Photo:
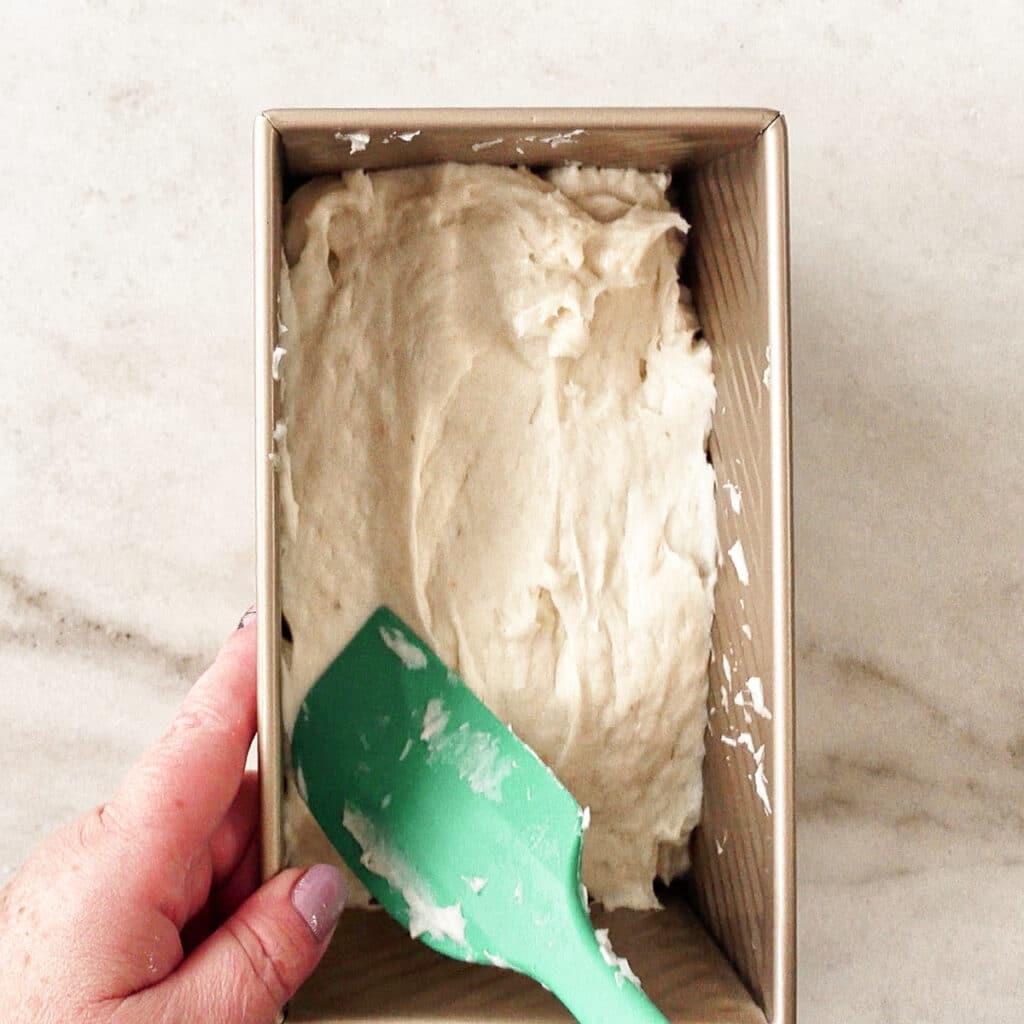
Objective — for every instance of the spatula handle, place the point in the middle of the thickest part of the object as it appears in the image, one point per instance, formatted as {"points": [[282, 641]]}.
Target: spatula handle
{"points": [[596, 992]]}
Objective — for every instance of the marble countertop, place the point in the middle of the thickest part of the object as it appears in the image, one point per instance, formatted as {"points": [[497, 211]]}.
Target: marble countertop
{"points": [[126, 477]]}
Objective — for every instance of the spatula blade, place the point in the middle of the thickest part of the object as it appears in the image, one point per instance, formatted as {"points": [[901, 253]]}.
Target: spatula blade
{"points": [[453, 824]]}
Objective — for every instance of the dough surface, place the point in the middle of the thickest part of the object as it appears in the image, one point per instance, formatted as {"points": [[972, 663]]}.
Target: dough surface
{"points": [[495, 416]]}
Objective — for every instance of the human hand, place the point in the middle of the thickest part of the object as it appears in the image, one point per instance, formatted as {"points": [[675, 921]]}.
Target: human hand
{"points": [[147, 908]]}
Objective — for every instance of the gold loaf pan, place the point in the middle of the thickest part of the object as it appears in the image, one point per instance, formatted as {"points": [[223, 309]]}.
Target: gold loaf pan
{"points": [[723, 950]]}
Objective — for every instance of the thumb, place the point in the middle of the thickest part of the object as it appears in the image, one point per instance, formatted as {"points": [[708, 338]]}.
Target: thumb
{"points": [[254, 963]]}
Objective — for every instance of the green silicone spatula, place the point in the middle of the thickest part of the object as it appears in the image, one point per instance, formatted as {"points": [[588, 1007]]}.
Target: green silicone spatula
{"points": [[453, 824]]}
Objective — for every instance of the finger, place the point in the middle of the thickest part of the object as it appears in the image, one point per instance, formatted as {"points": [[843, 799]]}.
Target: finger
{"points": [[258, 958], [234, 834], [241, 884], [232, 841], [188, 893], [183, 785], [224, 899]]}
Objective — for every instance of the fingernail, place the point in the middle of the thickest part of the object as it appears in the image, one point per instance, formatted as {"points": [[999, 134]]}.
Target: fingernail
{"points": [[249, 616], [319, 896]]}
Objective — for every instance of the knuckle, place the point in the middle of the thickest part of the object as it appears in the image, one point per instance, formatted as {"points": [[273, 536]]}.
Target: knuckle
{"points": [[264, 962], [202, 714], [96, 826], [185, 721]]}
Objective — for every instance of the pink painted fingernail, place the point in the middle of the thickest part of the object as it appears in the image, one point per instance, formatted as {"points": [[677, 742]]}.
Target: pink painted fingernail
{"points": [[319, 897], [249, 616]]}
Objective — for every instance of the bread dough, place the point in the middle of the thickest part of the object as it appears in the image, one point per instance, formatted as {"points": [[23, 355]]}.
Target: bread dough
{"points": [[495, 417]]}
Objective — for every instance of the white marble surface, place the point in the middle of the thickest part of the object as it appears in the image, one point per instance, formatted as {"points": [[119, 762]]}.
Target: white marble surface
{"points": [[125, 475]]}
